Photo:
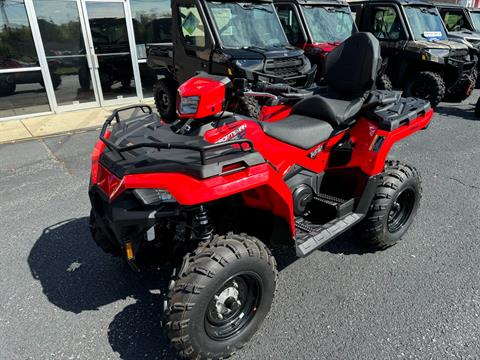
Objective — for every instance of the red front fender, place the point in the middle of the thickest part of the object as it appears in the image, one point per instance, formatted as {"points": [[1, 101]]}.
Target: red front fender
{"points": [[261, 187]]}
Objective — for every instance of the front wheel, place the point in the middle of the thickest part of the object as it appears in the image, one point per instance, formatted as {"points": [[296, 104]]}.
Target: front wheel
{"points": [[393, 207], [220, 296], [427, 85], [248, 106]]}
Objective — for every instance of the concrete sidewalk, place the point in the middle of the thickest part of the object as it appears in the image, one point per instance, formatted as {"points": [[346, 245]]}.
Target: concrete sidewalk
{"points": [[48, 125]]}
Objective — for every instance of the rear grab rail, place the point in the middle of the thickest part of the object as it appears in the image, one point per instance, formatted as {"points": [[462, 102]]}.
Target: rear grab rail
{"points": [[202, 150]]}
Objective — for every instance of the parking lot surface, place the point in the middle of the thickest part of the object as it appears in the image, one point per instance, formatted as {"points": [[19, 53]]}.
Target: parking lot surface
{"points": [[63, 298]]}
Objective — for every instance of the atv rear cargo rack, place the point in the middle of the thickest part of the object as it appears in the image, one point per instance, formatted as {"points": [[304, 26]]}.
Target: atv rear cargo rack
{"points": [[164, 145], [147, 132]]}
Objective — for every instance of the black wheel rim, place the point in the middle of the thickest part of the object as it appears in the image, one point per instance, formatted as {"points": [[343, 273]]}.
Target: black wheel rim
{"points": [[163, 101], [401, 210], [233, 306]]}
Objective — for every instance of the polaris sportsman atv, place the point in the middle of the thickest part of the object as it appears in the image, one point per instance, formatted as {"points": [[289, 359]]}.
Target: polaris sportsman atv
{"points": [[421, 60], [216, 191], [233, 39]]}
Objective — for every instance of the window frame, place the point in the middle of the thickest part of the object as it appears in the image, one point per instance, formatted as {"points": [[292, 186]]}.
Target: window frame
{"points": [[304, 32], [202, 18], [405, 28]]}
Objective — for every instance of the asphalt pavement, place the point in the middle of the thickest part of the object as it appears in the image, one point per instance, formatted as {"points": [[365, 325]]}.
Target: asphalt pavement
{"points": [[62, 298]]}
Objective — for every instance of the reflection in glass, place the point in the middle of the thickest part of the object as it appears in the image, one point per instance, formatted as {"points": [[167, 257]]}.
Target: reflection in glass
{"points": [[116, 76], [149, 77], [152, 21], [110, 41], [22, 93], [62, 37], [17, 49]]}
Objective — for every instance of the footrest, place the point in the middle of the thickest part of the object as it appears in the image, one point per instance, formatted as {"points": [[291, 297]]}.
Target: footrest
{"points": [[342, 207], [311, 236]]}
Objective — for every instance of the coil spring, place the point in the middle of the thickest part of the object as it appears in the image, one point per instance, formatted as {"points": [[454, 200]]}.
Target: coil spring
{"points": [[203, 226]]}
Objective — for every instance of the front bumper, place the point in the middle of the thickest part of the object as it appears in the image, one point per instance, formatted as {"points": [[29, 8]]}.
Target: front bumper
{"points": [[462, 81], [125, 219]]}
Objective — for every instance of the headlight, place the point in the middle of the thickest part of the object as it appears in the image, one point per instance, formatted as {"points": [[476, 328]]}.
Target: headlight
{"points": [[153, 196], [437, 53], [189, 105]]}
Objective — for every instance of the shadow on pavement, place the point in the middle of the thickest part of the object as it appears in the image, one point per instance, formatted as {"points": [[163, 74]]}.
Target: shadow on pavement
{"points": [[348, 244], [458, 112], [77, 276]]}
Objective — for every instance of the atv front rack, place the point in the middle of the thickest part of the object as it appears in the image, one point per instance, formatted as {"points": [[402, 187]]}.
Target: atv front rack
{"points": [[202, 150]]}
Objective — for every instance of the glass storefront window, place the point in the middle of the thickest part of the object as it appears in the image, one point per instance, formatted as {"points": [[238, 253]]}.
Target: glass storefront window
{"points": [[149, 77], [17, 49], [112, 49], [152, 21], [22, 88], [22, 93], [59, 24]]}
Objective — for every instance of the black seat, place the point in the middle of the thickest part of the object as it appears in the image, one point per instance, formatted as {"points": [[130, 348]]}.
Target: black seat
{"points": [[351, 70], [300, 131], [348, 77], [335, 111]]}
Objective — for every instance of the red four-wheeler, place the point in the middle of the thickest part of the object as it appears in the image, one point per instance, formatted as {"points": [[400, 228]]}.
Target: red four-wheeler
{"points": [[318, 27], [216, 191]]}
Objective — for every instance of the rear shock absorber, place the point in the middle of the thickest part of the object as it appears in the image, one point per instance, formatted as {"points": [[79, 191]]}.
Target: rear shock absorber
{"points": [[203, 229]]}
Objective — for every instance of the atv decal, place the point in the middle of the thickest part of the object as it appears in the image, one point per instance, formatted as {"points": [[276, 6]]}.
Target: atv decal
{"points": [[236, 134], [316, 151]]}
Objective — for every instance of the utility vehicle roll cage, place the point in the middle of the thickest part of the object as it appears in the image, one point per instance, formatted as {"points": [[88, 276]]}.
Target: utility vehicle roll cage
{"points": [[202, 150], [357, 7]]}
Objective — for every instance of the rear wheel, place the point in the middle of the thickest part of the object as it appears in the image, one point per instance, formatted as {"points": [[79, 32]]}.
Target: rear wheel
{"points": [[427, 85], [393, 207], [220, 296], [165, 93]]}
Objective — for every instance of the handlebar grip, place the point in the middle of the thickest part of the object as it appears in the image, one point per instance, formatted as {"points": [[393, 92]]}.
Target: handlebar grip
{"points": [[274, 88]]}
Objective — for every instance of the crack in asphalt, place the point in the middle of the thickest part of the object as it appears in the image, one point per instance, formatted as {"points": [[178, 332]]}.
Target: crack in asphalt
{"points": [[462, 183], [55, 158], [458, 181]]}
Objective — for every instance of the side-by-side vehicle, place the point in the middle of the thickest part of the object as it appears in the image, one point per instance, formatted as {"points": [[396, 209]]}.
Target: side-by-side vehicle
{"points": [[421, 60], [317, 27], [233, 39]]}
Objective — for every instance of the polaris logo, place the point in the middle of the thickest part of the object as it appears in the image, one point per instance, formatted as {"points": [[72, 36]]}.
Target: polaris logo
{"points": [[238, 133]]}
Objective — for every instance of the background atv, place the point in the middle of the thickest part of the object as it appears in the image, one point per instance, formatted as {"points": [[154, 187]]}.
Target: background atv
{"points": [[216, 191], [421, 60], [318, 27], [226, 38], [460, 28]]}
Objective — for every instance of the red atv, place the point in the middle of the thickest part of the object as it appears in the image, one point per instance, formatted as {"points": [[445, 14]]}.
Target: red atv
{"points": [[216, 191]]}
